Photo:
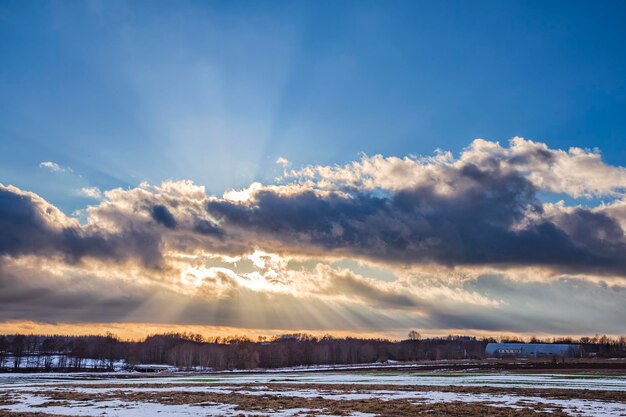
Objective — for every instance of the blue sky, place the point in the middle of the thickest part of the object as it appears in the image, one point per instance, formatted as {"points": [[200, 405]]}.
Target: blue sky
{"points": [[124, 92]]}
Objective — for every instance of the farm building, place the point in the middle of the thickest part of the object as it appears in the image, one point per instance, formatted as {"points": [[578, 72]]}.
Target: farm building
{"points": [[531, 350]]}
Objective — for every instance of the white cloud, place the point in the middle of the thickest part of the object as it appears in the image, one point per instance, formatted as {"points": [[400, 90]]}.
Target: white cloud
{"points": [[243, 194], [282, 161], [576, 172], [52, 166], [91, 192]]}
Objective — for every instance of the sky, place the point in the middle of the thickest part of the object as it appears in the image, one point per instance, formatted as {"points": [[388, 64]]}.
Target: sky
{"points": [[348, 167]]}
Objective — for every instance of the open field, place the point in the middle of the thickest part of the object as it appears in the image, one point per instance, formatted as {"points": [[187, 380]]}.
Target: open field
{"points": [[340, 393]]}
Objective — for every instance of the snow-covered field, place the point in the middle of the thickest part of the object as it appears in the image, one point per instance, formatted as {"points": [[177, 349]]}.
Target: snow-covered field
{"points": [[299, 393]]}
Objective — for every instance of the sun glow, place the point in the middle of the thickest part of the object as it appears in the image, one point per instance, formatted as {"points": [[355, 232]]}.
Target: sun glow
{"points": [[224, 281], [242, 195]]}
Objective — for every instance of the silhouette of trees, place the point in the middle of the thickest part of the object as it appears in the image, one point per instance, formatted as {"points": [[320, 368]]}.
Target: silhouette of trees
{"points": [[17, 348], [4, 346], [194, 352]]}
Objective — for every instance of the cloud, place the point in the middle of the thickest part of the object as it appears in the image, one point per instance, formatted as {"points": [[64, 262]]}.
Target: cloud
{"points": [[482, 208], [576, 172], [282, 161], [471, 215], [320, 298], [54, 167], [91, 192], [52, 292], [30, 225], [263, 255], [567, 305], [371, 292], [162, 215]]}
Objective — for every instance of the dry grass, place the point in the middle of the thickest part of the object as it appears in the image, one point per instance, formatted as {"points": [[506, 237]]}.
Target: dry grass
{"points": [[276, 397], [6, 399], [270, 403], [598, 395]]}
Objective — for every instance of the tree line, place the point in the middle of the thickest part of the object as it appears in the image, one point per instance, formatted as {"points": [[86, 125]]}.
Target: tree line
{"points": [[193, 351]]}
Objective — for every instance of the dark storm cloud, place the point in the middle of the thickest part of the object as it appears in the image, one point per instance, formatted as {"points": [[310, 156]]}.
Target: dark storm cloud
{"points": [[205, 227], [597, 231], [35, 295], [367, 291], [24, 230], [484, 221], [162, 215], [20, 224], [562, 306]]}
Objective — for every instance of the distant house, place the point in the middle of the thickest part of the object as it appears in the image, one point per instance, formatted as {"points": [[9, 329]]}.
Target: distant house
{"points": [[531, 350]]}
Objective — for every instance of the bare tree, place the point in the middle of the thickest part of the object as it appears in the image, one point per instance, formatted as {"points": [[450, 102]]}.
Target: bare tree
{"points": [[414, 335], [18, 345]]}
